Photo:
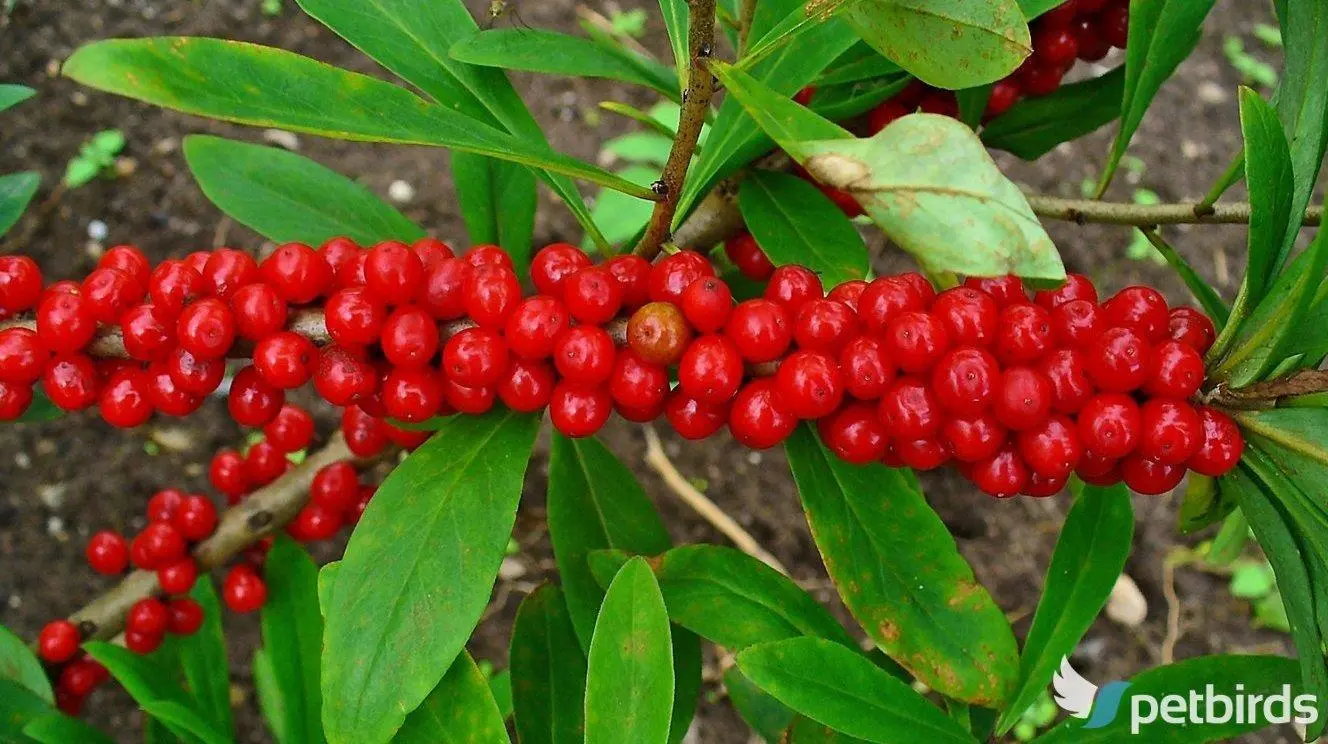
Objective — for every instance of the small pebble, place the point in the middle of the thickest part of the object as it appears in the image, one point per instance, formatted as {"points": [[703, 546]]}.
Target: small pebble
{"points": [[51, 496], [400, 192], [1127, 605], [22, 461], [97, 230], [281, 138], [511, 569], [55, 527]]}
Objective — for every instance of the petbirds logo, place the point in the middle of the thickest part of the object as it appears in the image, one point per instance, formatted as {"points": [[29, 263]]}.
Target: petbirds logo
{"points": [[1076, 696]]}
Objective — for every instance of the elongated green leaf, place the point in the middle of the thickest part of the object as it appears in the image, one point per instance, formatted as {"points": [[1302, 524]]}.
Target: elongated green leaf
{"points": [[287, 197], [16, 190], [594, 503], [840, 688], [925, 37], [1035, 126], [901, 575], [19, 706], [19, 665], [1302, 103], [1034, 8], [619, 216], [1255, 675], [860, 62], [61, 729], [629, 684], [262, 86], [841, 102], [548, 671], [806, 731], [1268, 175], [412, 39], [795, 223], [271, 699], [1088, 560], [931, 186], [12, 95], [730, 598], [1208, 297], [778, 115], [418, 572], [1162, 35], [678, 24], [327, 576], [550, 52], [498, 204], [460, 710], [157, 693], [1302, 430], [292, 638], [767, 716], [500, 685], [203, 657]]}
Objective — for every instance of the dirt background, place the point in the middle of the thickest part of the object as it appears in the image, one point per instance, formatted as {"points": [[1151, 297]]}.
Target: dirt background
{"points": [[61, 481]]}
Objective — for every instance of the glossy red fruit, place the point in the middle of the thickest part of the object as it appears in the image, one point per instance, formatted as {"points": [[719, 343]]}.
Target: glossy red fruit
{"points": [[1221, 447], [164, 503], [1192, 328], [965, 381], [1077, 323], [393, 272], [351, 272], [579, 410], [469, 400], [491, 295], [673, 274], [297, 272], [58, 641], [592, 295], [337, 252], [227, 270], [855, 433], [157, 545], [343, 377], [252, 401], [1149, 477], [694, 419], [970, 316], [142, 643], [633, 276], [1039, 78], [1003, 475], [335, 486], [148, 333], [475, 357], [227, 475], [751, 261], [867, 368], [1070, 386], [941, 102], [14, 400], [1110, 425], [1024, 334], [639, 385], [659, 333], [291, 430], [356, 511], [206, 328], [1051, 449], [1005, 290], [973, 439], [186, 616], [553, 263], [825, 325], [109, 292], [535, 325], [584, 355], [923, 454], [1113, 24], [178, 577], [195, 375], [242, 590], [22, 357], [1171, 431], [131, 261], [65, 322], [108, 553], [126, 400], [285, 360], [528, 386], [706, 304], [1176, 371], [910, 410], [1076, 287], [71, 382], [759, 417], [264, 463], [196, 518], [1055, 46], [366, 435], [20, 283], [81, 676], [1023, 399], [761, 330], [488, 255], [794, 286], [412, 394], [355, 317], [885, 299], [1040, 486], [1004, 95], [711, 370], [431, 251], [259, 311], [410, 337], [1097, 470], [443, 293], [810, 384], [1142, 309], [166, 396], [174, 285], [314, 523], [886, 114], [916, 341], [1119, 361]]}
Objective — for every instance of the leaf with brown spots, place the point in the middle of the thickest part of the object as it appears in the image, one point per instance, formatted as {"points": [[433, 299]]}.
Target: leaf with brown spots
{"points": [[901, 575]]}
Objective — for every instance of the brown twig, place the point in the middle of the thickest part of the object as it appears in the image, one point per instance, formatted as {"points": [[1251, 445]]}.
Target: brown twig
{"points": [[1267, 394], [746, 12], [1145, 215], [695, 107]]}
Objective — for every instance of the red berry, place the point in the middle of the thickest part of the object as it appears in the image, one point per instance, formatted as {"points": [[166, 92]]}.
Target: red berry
{"points": [[693, 419], [142, 643], [410, 337], [825, 325], [488, 255], [916, 341], [1070, 386], [342, 377], [148, 332], [393, 272], [227, 474], [848, 293], [228, 270], [674, 274], [166, 396], [14, 400], [910, 410], [552, 264], [173, 285], [491, 294], [178, 577], [1141, 309], [264, 463], [711, 370], [1024, 334], [356, 511], [1171, 431], [477, 357], [1221, 446], [1192, 328], [443, 294], [1040, 78], [1077, 323], [1076, 287], [252, 401], [965, 381], [243, 590], [969, 315], [922, 454], [884, 115], [431, 251], [1177, 371], [314, 523], [1002, 475], [633, 276], [193, 374], [285, 360], [164, 503], [259, 311], [366, 436], [659, 333], [973, 439], [886, 298], [291, 429], [1092, 46], [707, 304], [412, 394], [130, 261], [58, 641], [759, 417], [528, 386], [593, 295], [1004, 95], [108, 553], [186, 616], [20, 284], [108, 293], [941, 102], [794, 286], [1119, 361], [206, 328], [81, 676], [198, 261], [157, 545], [469, 400], [22, 357], [1023, 399], [579, 410], [1114, 25], [195, 518], [748, 257], [855, 433], [535, 325], [1109, 425], [760, 329], [351, 272], [1051, 449], [335, 486], [1149, 477], [297, 272], [867, 368], [355, 317], [65, 322], [809, 384], [1055, 46], [841, 199], [583, 355], [1096, 470], [1005, 290], [71, 382]]}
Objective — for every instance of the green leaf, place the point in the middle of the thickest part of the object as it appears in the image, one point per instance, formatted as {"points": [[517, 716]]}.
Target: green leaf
{"points": [[677, 22], [926, 37], [203, 657], [807, 731], [840, 688], [1035, 126], [1302, 430], [1269, 179], [972, 104], [16, 190], [776, 114], [460, 710], [418, 572], [500, 685], [730, 598], [287, 197], [19, 706], [618, 215], [1034, 8], [841, 102], [553, 53], [292, 639], [12, 95], [412, 39], [1162, 35], [160, 696], [548, 671], [595, 502], [1252, 580], [81, 171], [629, 683], [57, 728], [498, 202], [640, 147], [859, 63], [795, 223], [1088, 560], [1302, 103], [256, 85], [1259, 675], [20, 665], [327, 577], [902, 577], [1202, 291], [931, 186], [767, 716], [271, 700]]}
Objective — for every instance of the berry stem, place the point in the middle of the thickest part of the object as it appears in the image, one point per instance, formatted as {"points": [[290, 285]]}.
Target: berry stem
{"points": [[695, 107], [1147, 215], [1267, 394]]}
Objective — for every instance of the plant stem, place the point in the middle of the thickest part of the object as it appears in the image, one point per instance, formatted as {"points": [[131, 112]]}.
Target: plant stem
{"points": [[1234, 172], [1147, 215], [1268, 394], [746, 12], [695, 107]]}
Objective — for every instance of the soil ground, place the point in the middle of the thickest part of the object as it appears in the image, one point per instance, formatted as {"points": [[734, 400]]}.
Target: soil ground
{"points": [[61, 481]]}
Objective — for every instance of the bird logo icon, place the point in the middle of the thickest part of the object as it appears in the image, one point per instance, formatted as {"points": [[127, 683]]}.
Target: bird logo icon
{"points": [[1083, 699]]}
